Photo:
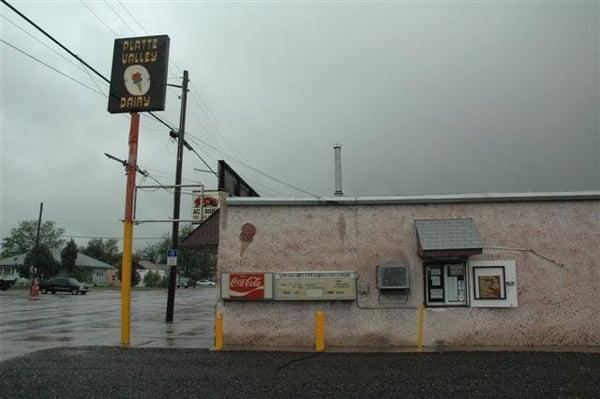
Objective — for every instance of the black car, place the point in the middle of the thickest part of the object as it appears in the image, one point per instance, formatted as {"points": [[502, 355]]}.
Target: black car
{"points": [[65, 284]]}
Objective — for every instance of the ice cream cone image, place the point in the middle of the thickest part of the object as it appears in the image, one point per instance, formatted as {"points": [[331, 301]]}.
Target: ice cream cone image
{"points": [[137, 80], [244, 247], [246, 237]]}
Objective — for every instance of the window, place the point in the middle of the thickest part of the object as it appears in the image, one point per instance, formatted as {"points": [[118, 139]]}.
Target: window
{"points": [[446, 284]]}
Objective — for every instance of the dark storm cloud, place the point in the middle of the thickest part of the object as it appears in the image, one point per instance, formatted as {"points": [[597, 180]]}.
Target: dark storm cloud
{"points": [[425, 98]]}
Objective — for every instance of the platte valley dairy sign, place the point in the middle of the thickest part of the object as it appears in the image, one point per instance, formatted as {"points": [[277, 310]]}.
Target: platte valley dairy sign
{"points": [[138, 81]]}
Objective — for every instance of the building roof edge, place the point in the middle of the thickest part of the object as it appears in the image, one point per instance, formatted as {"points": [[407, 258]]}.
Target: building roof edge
{"points": [[417, 199]]}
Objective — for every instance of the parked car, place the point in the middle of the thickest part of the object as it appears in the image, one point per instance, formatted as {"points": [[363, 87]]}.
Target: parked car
{"points": [[206, 283], [6, 284], [182, 282], [64, 284]]}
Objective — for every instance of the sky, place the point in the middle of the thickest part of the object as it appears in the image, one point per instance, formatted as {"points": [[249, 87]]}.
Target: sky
{"points": [[425, 97]]}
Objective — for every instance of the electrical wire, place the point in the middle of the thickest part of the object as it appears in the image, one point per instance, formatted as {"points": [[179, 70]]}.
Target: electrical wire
{"points": [[70, 61], [99, 18], [132, 17], [51, 67], [163, 122], [119, 16], [110, 238], [49, 36], [252, 167]]}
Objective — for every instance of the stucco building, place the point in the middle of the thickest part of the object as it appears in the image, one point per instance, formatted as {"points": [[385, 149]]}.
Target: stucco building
{"points": [[476, 270]]}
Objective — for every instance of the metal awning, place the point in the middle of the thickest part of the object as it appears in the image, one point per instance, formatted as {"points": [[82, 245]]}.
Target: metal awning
{"points": [[447, 238]]}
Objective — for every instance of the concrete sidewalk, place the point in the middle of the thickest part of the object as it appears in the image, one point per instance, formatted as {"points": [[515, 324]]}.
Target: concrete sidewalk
{"points": [[153, 372]]}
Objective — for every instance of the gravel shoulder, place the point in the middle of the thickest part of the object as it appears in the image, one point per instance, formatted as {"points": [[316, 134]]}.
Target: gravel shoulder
{"points": [[161, 372]]}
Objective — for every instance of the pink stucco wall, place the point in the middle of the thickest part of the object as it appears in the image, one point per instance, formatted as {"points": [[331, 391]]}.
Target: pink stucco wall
{"points": [[557, 305]]}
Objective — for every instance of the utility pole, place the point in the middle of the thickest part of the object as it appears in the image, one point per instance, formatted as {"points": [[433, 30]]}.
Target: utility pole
{"points": [[37, 237], [177, 197], [33, 270]]}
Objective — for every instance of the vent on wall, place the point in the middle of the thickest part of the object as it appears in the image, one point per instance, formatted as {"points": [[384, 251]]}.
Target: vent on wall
{"points": [[392, 277]]}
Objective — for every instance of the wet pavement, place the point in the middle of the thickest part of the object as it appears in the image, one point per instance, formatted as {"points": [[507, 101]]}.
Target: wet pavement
{"points": [[65, 320]]}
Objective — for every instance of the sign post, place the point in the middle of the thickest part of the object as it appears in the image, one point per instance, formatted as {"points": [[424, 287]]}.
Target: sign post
{"points": [[172, 257], [138, 84]]}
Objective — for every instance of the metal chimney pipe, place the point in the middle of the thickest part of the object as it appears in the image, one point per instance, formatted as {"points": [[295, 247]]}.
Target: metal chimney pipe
{"points": [[337, 151]]}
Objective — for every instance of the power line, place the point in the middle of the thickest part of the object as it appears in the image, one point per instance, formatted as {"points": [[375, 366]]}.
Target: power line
{"points": [[133, 17], [73, 54], [110, 238], [51, 67], [70, 61], [252, 167], [118, 16], [54, 40], [99, 18], [150, 113]]}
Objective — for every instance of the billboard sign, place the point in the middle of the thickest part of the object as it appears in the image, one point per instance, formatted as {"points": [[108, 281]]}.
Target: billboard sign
{"points": [[314, 286], [246, 286], [232, 183], [138, 81]]}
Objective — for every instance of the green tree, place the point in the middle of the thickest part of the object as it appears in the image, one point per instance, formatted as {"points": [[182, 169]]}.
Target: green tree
{"points": [[135, 276], [43, 260], [22, 238], [196, 264], [68, 256], [152, 279], [105, 250]]}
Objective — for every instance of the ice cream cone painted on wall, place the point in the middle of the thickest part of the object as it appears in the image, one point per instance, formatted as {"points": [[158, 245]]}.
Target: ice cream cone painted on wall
{"points": [[137, 80], [246, 237]]}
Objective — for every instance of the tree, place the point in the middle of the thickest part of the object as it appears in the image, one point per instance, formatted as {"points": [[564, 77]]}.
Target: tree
{"points": [[43, 260], [152, 279], [68, 256], [135, 276], [196, 264], [105, 250], [22, 238]]}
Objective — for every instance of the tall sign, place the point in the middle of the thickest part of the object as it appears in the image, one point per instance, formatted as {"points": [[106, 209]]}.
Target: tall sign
{"points": [[138, 81]]}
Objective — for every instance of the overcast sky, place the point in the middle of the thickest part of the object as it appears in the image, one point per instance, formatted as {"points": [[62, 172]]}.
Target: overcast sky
{"points": [[430, 97]]}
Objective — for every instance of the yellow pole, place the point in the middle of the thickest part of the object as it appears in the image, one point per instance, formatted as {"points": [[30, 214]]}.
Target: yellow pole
{"points": [[219, 331], [134, 130], [320, 331], [420, 328], [126, 283]]}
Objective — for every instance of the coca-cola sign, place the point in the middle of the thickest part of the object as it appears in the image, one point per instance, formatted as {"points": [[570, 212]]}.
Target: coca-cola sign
{"points": [[247, 285]]}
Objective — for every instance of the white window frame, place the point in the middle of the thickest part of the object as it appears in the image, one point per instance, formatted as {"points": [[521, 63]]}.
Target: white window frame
{"points": [[505, 270]]}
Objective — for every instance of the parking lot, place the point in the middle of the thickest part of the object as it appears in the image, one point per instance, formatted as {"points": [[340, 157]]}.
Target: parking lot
{"points": [[94, 319]]}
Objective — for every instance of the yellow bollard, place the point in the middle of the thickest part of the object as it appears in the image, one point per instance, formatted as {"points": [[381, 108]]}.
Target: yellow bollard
{"points": [[219, 332], [320, 331], [420, 328]]}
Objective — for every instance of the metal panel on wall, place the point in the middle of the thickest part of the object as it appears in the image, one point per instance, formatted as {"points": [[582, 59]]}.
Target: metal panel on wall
{"points": [[314, 286]]}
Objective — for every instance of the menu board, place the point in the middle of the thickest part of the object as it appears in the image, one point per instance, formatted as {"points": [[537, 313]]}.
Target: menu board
{"points": [[314, 286]]}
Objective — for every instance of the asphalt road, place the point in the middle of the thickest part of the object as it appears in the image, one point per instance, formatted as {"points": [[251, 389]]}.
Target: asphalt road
{"points": [[94, 319], [101, 372]]}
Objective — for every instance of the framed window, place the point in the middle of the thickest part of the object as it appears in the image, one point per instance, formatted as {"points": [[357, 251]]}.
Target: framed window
{"points": [[493, 283], [446, 284]]}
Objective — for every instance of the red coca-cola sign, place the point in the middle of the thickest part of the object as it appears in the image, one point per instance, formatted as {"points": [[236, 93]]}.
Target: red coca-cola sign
{"points": [[247, 285]]}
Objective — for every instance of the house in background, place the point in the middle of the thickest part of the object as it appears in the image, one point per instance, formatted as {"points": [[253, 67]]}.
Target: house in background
{"points": [[101, 274]]}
